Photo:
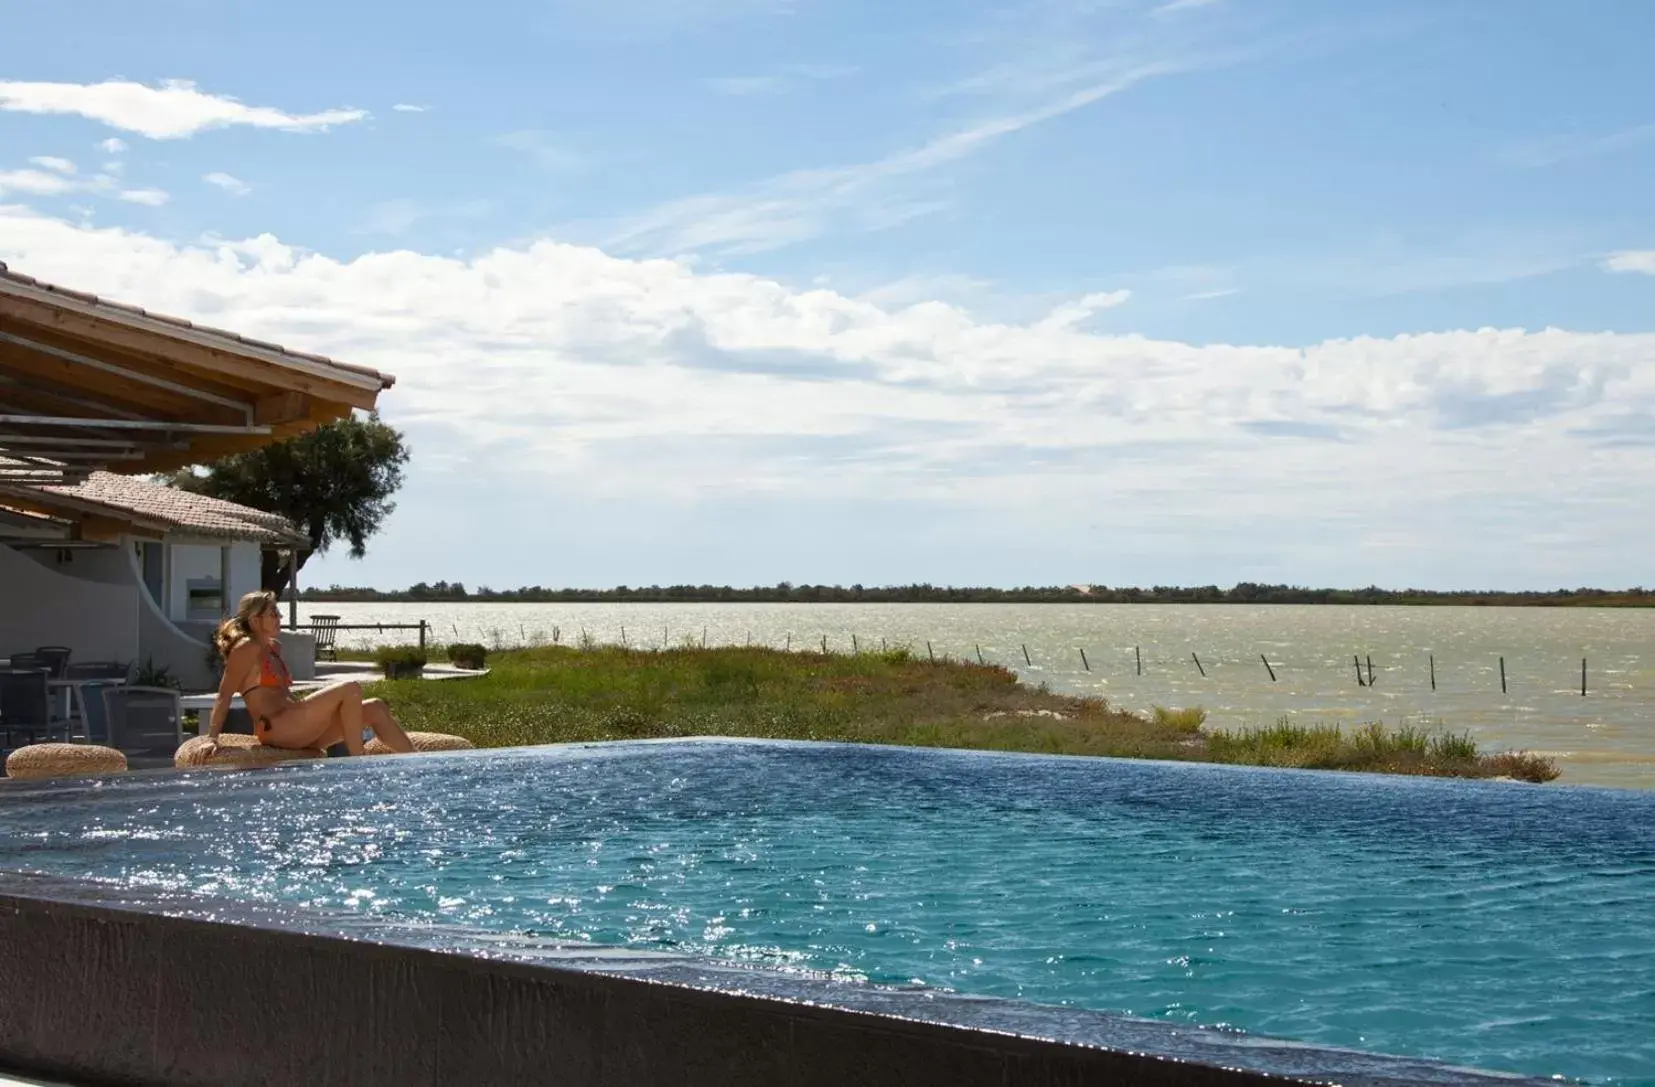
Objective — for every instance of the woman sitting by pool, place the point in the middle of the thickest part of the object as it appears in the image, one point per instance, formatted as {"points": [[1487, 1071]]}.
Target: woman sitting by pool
{"points": [[253, 668]]}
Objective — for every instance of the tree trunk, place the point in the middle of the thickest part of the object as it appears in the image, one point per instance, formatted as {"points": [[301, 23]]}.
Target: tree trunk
{"points": [[277, 570]]}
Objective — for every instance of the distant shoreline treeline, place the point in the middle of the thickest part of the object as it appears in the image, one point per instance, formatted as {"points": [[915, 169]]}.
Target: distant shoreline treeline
{"points": [[787, 593]]}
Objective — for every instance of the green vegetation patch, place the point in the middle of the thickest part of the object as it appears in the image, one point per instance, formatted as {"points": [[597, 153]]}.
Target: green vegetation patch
{"points": [[557, 694]]}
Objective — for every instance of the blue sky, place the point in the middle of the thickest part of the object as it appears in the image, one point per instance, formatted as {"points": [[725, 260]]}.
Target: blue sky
{"points": [[1052, 291]]}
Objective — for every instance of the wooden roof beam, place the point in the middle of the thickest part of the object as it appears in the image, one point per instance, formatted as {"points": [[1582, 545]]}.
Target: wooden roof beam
{"points": [[259, 368], [41, 364]]}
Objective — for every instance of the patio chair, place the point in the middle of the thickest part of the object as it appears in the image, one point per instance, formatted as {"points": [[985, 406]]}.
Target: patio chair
{"points": [[26, 707], [55, 658], [144, 721], [326, 629]]}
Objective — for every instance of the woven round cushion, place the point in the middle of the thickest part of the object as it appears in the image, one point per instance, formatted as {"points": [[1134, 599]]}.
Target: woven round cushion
{"points": [[238, 750], [63, 761], [422, 741]]}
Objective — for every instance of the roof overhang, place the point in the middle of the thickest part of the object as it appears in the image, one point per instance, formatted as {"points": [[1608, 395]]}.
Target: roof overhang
{"points": [[89, 384]]}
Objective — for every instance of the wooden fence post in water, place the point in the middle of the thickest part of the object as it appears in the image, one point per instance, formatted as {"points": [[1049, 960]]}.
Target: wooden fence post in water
{"points": [[1198, 667], [1267, 667], [703, 637], [1502, 675], [824, 645], [928, 652], [1138, 653], [1370, 671], [1086, 664], [1583, 677], [855, 646], [979, 654], [790, 641], [1358, 662], [1026, 659], [1433, 671], [623, 637]]}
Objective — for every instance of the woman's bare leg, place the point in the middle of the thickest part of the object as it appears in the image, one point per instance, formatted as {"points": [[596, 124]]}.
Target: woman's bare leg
{"points": [[331, 715], [386, 727]]}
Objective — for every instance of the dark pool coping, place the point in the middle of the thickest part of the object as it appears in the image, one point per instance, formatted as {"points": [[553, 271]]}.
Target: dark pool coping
{"points": [[180, 989]]}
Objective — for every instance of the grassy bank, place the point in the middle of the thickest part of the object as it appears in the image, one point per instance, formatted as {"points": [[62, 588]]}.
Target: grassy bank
{"points": [[558, 695]]}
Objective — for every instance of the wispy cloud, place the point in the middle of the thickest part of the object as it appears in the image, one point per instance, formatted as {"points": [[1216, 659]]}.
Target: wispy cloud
{"points": [[34, 182], [802, 204], [404, 107], [393, 217], [742, 85], [150, 198], [785, 78], [230, 184], [60, 179], [52, 162], [112, 146], [1204, 296], [1173, 7], [546, 150], [397, 217], [1641, 261], [173, 110], [1073, 314], [1551, 150]]}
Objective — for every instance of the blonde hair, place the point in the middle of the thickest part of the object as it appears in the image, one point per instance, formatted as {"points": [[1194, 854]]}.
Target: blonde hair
{"points": [[238, 627]]}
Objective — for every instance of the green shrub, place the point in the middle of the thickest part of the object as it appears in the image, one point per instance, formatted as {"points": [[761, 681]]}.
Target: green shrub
{"points": [[1186, 720], [151, 674], [467, 654], [400, 661]]}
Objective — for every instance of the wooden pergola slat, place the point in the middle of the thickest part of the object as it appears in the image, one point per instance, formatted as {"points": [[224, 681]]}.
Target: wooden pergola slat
{"points": [[88, 383]]}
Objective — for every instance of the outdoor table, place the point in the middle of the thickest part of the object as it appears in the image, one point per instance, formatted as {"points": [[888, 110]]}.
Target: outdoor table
{"points": [[74, 693]]}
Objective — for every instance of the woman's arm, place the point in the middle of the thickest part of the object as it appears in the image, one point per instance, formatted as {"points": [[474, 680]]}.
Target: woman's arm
{"points": [[236, 665]]}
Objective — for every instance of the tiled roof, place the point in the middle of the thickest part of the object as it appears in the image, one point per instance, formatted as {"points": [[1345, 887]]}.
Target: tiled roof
{"points": [[196, 514]]}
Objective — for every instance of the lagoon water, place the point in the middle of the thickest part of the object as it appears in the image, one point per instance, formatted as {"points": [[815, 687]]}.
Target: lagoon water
{"points": [[1492, 925], [1604, 738]]}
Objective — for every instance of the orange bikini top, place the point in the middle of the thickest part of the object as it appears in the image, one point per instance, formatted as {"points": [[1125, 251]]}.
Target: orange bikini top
{"points": [[272, 675]]}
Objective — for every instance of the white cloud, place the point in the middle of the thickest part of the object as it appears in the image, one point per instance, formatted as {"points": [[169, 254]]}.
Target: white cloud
{"points": [[34, 182], [404, 107], [152, 198], [112, 146], [229, 183], [173, 110], [60, 180], [1631, 260], [612, 377]]}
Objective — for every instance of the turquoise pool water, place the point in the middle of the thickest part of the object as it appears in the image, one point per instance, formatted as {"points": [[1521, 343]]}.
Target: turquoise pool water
{"points": [[1493, 925]]}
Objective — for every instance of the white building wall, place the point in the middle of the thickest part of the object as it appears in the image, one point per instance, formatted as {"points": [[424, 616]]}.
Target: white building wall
{"points": [[245, 572], [41, 605], [201, 563]]}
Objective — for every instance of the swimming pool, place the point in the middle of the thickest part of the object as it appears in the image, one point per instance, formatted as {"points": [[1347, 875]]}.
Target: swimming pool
{"points": [[1486, 924]]}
